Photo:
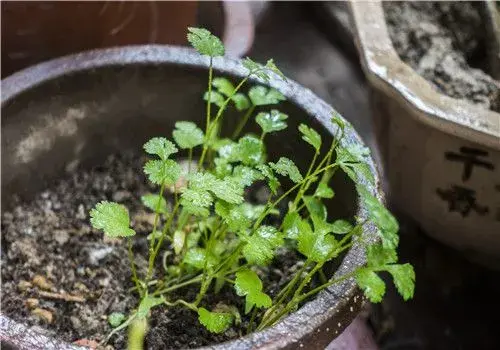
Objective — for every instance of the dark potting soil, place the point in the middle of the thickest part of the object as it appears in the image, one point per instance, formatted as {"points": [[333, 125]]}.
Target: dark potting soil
{"points": [[440, 40], [51, 253]]}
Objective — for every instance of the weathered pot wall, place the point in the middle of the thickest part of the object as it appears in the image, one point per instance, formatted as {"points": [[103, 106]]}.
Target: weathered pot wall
{"points": [[441, 155]]}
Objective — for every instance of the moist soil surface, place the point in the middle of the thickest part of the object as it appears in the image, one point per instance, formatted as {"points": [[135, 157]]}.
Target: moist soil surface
{"points": [[63, 277], [445, 42]]}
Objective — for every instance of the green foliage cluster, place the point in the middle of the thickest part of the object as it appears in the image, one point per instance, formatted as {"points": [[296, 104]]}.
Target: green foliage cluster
{"points": [[215, 237]]}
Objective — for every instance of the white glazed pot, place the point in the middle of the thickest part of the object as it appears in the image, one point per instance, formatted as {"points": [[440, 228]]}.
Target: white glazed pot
{"points": [[441, 156]]}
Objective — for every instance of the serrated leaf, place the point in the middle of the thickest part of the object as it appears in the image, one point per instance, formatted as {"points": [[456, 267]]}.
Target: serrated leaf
{"points": [[258, 251], [215, 98], [315, 246], [269, 174], [161, 147], [271, 235], [178, 241], [246, 175], [196, 197], [271, 121], [112, 218], [223, 86], [116, 318], [247, 282], [378, 255], [404, 279], [381, 217], [310, 136], [151, 201], [147, 303], [215, 322], [253, 212], [229, 150], [226, 189], [371, 284], [187, 135], [162, 171], [291, 224], [341, 226], [258, 299], [232, 215], [251, 150], [323, 191], [263, 96], [222, 167], [205, 42], [195, 210], [196, 257], [273, 68], [256, 69], [286, 167], [240, 101], [352, 160]]}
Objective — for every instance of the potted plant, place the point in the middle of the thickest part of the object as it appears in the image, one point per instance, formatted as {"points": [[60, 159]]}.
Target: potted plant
{"points": [[218, 237], [436, 118]]}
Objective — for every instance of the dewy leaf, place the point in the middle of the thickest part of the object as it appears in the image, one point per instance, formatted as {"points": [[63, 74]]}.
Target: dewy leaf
{"points": [[291, 224], [379, 256], [247, 282], [178, 241], [381, 217], [246, 175], [112, 218], [240, 101], [341, 226], [404, 279], [316, 247], [147, 303], [205, 42], [196, 197], [162, 171], [256, 69], [259, 299], [251, 150], [372, 285], [233, 216], [196, 257], [161, 147], [215, 322], [269, 174], [223, 86], [187, 135], [286, 167], [271, 121], [115, 319], [323, 191], [262, 96], [310, 136], [150, 201], [271, 235], [215, 98], [258, 251], [228, 190], [352, 160]]}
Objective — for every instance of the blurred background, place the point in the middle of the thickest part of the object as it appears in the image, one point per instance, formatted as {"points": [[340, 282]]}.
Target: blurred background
{"points": [[456, 303]]}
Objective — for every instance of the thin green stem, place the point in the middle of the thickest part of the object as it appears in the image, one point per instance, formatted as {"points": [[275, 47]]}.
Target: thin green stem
{"points": [[177, 286], [133, 268], [209, 101], [157, 218], [300, 193], [242, 123], [182, 302], [190, 159]]}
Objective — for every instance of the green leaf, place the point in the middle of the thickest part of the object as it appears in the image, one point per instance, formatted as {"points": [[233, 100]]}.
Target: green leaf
{"points": [[371, 284], [271, 235], [258, 251], [112, 218], [269, 174], [256, 69], [162, 171], [234, 216], [381, 217], [215, 98], [341, 226], [323, 191], [196, 257], [251, 150], [222, 167], [258, 299], [178, 241], [226, 189], [271, 121], [215, 322], [246, 175], [151, 201], [337, 119], [195, 209], [291, 224], [378, 255], [262, 96], [286, 167], [161, 147], [229, 150], [240, 101], [205, 42], [310, 136], [187, 135], [315, 207], [223, 86], [270, 65], [116, 318], [316, 247], [404, 279], [352, 160], [196, 197], [247, 282], [147, 303]]}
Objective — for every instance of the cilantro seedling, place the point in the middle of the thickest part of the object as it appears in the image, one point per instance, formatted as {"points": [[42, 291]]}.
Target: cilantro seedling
{"points": [[210, 235]]}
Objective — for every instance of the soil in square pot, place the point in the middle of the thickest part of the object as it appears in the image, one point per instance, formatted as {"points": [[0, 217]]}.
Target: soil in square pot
{"points": [[446, 43], [61, 121]]}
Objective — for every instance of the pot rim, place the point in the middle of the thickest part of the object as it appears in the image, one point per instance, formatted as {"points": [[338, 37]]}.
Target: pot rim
{"points": [[387, 72], [334, 308]]}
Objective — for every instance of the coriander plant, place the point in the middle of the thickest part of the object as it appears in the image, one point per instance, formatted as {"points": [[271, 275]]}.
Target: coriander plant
{"points": [[211, 236]]}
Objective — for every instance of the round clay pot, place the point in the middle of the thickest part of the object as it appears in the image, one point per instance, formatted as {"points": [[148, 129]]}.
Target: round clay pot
{"points": [[441, 155], [79, 109]]}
